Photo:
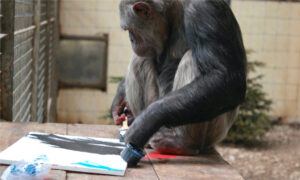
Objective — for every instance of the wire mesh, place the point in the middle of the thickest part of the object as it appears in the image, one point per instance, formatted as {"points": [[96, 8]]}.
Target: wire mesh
{"points": [[23, 14], [23, 59], [0, 61], [43, 10], [32, 59], [42, 76]]}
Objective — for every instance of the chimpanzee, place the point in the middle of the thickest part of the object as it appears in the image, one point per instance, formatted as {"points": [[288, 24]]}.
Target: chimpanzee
{"points": [[187, 76]]}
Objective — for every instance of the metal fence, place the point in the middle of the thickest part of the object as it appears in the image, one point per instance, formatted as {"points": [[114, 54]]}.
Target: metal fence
{"points": [[27, 68]]}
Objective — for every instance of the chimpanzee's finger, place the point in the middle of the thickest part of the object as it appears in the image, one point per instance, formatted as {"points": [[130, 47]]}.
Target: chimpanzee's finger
{"points": [[119, 119], [130, 120]]}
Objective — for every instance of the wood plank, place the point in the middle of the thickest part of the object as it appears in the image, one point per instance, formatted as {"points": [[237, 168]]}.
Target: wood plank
{"points": [[56, 175], [46, 68], [11, 132], [143, 171], [2, 169], [54, 80], [205, 167], [7, 59], [2, 35], [35, 67], [24, 30]]}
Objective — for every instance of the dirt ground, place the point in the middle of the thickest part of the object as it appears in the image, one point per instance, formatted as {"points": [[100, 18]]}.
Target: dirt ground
{"points": [[278, 156]]}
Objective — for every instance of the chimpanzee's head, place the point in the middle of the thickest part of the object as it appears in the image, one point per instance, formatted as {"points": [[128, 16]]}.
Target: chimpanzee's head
{"points": [[146, 22]]}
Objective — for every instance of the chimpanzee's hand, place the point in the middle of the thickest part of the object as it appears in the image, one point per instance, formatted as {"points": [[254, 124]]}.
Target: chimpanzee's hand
{"points": [[119, 113], [135, 135]]}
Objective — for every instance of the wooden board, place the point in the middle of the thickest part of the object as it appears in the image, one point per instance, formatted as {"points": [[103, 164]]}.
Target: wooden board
{"points": [[7, 59], [205, 166], [11, 132]]}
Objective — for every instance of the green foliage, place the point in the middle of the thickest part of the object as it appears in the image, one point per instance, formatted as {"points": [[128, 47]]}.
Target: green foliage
{"points": [[108, 118], [115, 79], [252, 122]]}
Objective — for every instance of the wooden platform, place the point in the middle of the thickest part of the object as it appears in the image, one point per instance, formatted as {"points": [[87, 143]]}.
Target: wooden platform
{"points": [[207, 166]]}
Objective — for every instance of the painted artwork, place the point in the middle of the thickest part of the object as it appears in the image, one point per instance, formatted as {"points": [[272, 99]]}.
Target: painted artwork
{"points": [[73, 153]]}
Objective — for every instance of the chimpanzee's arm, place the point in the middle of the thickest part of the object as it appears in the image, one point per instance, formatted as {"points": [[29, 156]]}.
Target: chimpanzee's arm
{"points": [[118, 103], [201, 100]]}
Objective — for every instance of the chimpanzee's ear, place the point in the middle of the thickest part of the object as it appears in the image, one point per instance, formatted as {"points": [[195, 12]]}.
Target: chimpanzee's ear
{"points": [[142, 9]]}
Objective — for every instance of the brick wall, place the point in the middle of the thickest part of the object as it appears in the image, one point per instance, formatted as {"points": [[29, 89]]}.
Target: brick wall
{"points": [[270, 29]]}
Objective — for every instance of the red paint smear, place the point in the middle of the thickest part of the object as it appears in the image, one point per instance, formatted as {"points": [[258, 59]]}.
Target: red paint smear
{"points": [[162, 156]]}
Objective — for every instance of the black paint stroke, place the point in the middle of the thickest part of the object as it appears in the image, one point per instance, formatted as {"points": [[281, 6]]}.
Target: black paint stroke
{"points": [[88, 145]]}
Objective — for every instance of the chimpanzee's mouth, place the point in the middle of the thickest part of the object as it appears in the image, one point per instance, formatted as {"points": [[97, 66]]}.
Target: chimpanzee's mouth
{"points": [[132, 37]]}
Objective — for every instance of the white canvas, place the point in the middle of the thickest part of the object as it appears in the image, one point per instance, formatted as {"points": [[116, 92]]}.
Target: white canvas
{"points": [[74, 153]]}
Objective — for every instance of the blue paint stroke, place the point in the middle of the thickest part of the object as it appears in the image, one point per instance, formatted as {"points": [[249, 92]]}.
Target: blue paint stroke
{"points": [[95, 165]]}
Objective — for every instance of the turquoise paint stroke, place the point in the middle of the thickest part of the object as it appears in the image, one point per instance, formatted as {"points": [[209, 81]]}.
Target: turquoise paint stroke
{"points": [[95, 165]]}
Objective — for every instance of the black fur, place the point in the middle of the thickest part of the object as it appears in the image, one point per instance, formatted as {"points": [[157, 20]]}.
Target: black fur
{"points": [[210, 30], [120, 95]]}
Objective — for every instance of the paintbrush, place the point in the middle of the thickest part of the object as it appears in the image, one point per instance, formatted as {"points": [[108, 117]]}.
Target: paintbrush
{"points": [[124, 127], [130, 154]]}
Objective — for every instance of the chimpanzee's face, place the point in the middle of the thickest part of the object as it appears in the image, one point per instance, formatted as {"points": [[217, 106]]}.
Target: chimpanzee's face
{"points": [[146, 27]]}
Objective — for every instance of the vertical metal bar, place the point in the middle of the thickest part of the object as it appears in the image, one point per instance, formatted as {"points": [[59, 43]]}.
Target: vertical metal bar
{"points": [[46, 89], [36, 48], [51, 93], [7, 60], [54, 50], [0, 66], [103, 77], [49, 99]]}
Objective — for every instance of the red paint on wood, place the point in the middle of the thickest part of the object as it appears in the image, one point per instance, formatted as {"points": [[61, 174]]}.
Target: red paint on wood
{"points": [[162, 156]]}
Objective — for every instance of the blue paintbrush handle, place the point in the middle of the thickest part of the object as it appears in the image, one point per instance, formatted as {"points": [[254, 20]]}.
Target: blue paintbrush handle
{"points": [[132, 155]]}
